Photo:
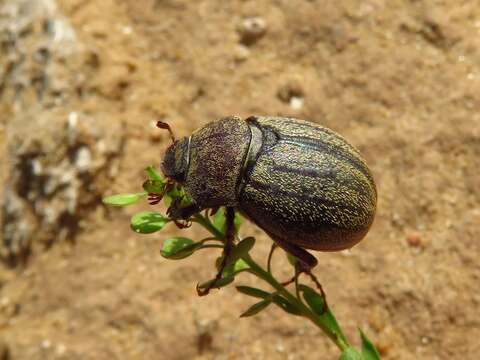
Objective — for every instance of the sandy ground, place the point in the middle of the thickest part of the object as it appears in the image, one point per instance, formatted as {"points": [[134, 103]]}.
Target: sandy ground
{"points": [[81, 84]]}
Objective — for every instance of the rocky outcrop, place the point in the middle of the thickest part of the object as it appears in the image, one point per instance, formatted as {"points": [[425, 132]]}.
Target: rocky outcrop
{"points": [[59, 155]]}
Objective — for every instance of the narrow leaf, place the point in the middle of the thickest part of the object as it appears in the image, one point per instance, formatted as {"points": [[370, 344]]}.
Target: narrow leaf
{"points": [[286, 305], [256, 308], [369, 352], [177, 248], [147, 222], [241, 249], [351, 354], [316, 302], [237, 222], [219, 284], [123, 199], [254, 292], [275, 298], [219, 220], [153, 174]]}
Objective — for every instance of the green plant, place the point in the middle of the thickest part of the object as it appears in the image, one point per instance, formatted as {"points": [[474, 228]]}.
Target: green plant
{"points": [[303, 301]]}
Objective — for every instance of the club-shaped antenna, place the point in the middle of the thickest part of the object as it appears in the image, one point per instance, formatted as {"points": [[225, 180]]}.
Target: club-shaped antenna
{"points": [[163, 125]]}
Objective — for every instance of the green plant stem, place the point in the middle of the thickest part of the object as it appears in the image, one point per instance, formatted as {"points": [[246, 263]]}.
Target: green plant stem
{"points": [[207, 224], [267, 277], [306, 312], [212, 246]]}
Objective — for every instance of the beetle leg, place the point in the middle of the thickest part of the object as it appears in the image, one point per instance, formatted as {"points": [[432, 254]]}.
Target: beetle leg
{"points": [[319, 287], [270, 255], [227, 250], [306, 262], [177, 212]]}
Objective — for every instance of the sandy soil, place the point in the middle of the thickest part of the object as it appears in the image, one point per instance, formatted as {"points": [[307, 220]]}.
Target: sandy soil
{"points": [[81, 84]]}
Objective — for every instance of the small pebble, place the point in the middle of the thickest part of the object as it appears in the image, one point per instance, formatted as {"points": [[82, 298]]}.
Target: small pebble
{"points": [[296, 102], [414, 240], [83, 159], [46, 344], [251, 29], [292, 94], [241, 53], [127, 30]]}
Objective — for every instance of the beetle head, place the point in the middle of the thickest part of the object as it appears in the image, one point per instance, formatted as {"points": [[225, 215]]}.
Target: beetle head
{"points": [[175, 161]]}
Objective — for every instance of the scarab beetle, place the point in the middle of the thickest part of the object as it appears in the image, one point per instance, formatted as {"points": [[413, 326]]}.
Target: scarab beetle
{"points": [[302, 183]]}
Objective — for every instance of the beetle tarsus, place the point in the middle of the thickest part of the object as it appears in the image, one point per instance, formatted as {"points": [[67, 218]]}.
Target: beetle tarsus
{"points": [[155, 198], [270, 256], [181, 215], [182, 224], [227, 250], [320, 288], [301, 268], [176, 211]]}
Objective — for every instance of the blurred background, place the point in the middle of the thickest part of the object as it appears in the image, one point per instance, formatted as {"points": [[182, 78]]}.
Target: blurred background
{"points": [[81, 86]]}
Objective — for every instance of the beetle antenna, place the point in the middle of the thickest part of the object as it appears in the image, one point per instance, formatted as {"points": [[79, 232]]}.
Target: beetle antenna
{"points": [[164, 125]]}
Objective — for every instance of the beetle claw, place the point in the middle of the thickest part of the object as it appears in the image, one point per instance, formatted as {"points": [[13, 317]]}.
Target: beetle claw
{"points": [[202, 292], [182, 224]]}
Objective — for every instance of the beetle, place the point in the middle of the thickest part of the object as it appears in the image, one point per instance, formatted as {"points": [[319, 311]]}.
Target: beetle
{"points": [[302, 183]]}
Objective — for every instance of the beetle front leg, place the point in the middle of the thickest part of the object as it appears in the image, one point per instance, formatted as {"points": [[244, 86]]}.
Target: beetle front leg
{"points": [[176, 212], [227, 250]]}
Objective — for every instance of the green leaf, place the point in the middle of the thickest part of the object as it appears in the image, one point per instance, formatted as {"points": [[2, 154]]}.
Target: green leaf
{"points": [[177, 192], [224, 281], [286, 305], [153, 174], [147, 222], [235, 263], [240, 265], [256, 308], [177, 248], [254, 292], [237, 222], [219, 220], [316, 302], [154, 186], [275, 298], [123, 199], [369, 352], [232, 269], [241, 249], [350, 353], [291, 259]]}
